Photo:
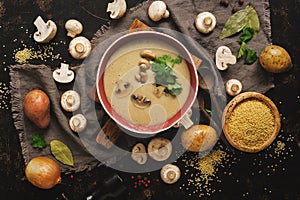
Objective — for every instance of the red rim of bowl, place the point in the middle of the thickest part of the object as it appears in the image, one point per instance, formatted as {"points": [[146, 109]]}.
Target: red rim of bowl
{"points": [[151, 129]]}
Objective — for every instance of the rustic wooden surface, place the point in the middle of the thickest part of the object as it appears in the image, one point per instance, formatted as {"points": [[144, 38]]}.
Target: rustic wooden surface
{"points": [[16, 28]]}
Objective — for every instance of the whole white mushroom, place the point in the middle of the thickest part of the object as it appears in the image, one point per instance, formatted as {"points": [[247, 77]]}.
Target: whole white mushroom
{"points": [[158, 10]]}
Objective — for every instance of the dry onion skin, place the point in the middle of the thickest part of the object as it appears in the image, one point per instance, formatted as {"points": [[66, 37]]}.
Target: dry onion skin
{"points": [[43, 172]]}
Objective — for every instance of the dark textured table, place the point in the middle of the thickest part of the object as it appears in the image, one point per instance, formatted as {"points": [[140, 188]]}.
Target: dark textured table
{"points": [[250, 176]]}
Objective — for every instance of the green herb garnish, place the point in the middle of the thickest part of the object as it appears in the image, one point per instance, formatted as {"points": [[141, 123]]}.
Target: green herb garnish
{"points": [[251, 57], [37, 141], [208, 111], [165, 75]]}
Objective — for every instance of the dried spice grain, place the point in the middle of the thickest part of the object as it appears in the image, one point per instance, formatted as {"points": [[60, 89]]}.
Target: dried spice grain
{"points": [[251, 123], [202, 173]]}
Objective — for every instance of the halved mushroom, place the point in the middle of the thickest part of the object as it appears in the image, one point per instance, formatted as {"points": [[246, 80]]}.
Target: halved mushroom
{"points": [[80, 47], [224, 58], [160, 149], [63, 74], [158, 10], [78, 123], [233, 87], [123, 88], [205, 22], [140, 101], [117, 9], [170, 173], [70, 101], [139, 154], [147, 54], [74, 27], [45, 31]]}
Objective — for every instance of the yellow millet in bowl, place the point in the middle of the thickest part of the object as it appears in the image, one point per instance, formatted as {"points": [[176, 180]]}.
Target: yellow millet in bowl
{"points": [[251, 122]]}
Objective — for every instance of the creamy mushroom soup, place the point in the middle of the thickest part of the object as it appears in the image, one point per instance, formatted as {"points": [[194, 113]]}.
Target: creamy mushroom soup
{"points": [[131, 86]]}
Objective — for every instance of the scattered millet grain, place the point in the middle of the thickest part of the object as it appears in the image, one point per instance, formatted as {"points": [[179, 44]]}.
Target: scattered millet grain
{"points": [[43, 53], [202, 171], [23, 56], [4, 96]]}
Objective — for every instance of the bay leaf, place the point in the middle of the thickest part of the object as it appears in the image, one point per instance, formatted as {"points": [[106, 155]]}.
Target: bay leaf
{"points": [[246, 17], [61, 152]]}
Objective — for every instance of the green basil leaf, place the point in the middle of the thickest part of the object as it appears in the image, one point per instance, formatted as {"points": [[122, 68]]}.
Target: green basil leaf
{"points": [[242, 50], [61, 152], [238, 21], [251, 56]]}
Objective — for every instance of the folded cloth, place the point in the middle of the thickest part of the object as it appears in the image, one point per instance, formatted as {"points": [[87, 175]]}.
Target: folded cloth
{"points": [[25, 78], [182, 16], [86, 152]]}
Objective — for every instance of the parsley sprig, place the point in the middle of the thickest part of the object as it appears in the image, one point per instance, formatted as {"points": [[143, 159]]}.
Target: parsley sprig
{"points": [[165, 75], [251, 56], [37, 141]]}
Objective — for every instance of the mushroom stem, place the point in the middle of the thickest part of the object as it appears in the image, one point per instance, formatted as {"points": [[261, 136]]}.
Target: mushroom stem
{"points": [[234, 87], [79, 48], [207, 21], [70, 100], [171, 175], [41, 25], [76, 122]]}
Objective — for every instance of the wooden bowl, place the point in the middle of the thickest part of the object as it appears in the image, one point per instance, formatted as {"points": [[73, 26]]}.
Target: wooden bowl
{"points": [[248, 133]]}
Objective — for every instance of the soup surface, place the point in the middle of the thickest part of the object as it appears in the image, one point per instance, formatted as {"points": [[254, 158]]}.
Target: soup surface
{"points": [[132, 91]]}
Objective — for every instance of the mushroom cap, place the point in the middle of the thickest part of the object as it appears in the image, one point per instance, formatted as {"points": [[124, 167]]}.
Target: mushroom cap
{"points": [[199, 138], [78, 123], [170, 173], [205, 22], [80, 47], [63, 74], [74, 27], [158, 10], [233, 87], [160, 149], [45, 32], [224, 58], [117, 9], [275, 59], [70, 101], [139, 154]]}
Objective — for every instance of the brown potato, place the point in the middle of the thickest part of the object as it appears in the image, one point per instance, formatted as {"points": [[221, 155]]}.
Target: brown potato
{"points": [[199, 138], [275, 59], [37, 108]]}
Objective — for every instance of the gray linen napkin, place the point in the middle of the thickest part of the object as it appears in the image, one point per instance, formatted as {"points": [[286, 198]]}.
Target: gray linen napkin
{"points": [[87, 152]]}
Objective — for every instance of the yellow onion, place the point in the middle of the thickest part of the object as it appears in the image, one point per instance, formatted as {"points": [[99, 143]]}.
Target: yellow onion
{"points": [[43, 172]]}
